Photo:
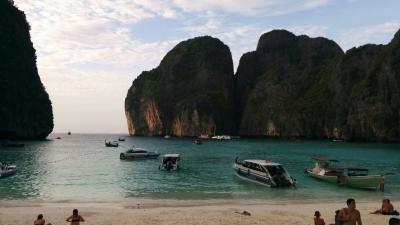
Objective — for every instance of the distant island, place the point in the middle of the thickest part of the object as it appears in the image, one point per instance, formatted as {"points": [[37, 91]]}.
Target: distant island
{"points": [[289, 87], [25, 107]]}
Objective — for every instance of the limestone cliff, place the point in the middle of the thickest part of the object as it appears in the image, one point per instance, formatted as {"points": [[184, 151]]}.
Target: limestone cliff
{"points": [[188, 94], [25, 107], [283, 87], [290, 86], [296, 86], [368, 88]]}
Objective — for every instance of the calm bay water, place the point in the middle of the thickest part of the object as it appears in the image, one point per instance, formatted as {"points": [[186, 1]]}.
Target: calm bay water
{"points": [[79, 168]]}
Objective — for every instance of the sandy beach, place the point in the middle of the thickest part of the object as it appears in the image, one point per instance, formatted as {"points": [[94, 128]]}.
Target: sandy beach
{"points": [[149, 212]]}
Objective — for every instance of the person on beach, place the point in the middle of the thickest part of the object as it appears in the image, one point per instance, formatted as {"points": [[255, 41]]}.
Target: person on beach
{"points": [[75, 218], [317, 219], [40, 220], [350, 215], [386, 208]]}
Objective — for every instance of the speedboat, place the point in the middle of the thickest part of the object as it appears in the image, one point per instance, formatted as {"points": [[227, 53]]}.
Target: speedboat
{"points": [[204, 136], [222, 137], [167, 136], [351, 176], [121, 139], [7, 170], [111, 144], [170, 162], [264, 172], [198, 141], [138, 153]]}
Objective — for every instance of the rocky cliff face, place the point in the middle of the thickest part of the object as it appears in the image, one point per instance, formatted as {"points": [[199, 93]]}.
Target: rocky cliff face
{"points": [[283, 87], [369, 89], [25, 108], [296, 86], [189, 93], [290, 86]]}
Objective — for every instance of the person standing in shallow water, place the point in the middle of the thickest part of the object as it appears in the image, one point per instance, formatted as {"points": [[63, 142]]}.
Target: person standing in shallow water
{"points": [[75, 218], [350, 215]]}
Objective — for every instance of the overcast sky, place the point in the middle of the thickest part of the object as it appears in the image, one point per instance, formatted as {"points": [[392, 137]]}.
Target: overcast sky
{"points": [[90, 51]]}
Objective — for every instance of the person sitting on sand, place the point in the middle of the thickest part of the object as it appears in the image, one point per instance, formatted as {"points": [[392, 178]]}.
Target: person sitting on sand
{"points": [[350, 215], [317, 219], [75, 218], [40, 220], [386, 208]]}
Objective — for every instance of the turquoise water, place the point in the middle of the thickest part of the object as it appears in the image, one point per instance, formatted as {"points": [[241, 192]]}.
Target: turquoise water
{"points": [[79, 168]]}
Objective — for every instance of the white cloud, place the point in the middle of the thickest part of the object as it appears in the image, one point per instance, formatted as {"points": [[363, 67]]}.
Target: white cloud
{"points": [[251, 7], [88, 53], [375, 34]]}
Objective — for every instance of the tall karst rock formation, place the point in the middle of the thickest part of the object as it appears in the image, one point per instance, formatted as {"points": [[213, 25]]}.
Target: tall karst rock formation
{"points": [[25, 107], [296, 86], [290, 86], [282, 88], [191, 92]]}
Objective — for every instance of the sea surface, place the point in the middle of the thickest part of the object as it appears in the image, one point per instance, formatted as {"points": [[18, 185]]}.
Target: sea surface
{"points": [[79, 168]]}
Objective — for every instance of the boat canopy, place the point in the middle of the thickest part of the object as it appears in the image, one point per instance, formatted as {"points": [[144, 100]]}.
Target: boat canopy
{"points": [[137, 150], [171, 156]]}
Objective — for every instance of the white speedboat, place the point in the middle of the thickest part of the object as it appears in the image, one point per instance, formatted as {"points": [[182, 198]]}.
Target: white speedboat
{"points": [[138, 153], [7, 170], [351, 176], [263, 172], [222, 137], [170, 162]]}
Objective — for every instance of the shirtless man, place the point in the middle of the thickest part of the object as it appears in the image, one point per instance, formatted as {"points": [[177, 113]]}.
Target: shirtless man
{"points": [[350, 215]]}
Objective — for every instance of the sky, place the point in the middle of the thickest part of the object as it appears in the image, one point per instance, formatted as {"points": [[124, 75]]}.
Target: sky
{"points": [[90, 51]]}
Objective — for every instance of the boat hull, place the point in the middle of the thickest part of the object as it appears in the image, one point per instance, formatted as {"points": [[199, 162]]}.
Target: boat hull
{"points": [[138, 156], [370, 182], [252, 177], [363, 182], [8, 172], [329, 179]]}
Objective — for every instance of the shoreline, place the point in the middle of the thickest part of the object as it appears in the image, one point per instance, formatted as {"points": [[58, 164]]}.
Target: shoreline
{"points": [[161, 202], [190, 212]]}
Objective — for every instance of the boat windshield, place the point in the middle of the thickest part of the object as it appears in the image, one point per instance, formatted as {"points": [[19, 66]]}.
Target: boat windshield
{"points": [[170, 159], [254, 166], [275, 170], [136, 151]]}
